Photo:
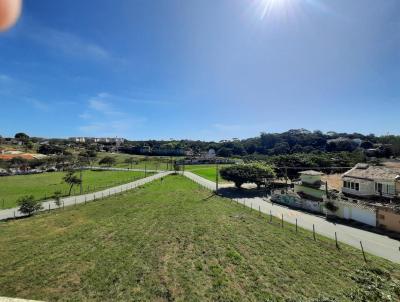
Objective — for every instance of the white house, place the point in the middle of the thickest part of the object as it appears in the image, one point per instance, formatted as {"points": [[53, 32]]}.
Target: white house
{"points": [[368, 181]]}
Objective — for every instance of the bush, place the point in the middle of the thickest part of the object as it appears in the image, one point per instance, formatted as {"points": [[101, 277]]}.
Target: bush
{"points": [[28, 205], [107, 161], [331, 206]]}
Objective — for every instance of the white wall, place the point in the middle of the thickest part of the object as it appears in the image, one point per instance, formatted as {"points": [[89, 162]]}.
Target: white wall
{"points": [[355, 212], [367, 187]]}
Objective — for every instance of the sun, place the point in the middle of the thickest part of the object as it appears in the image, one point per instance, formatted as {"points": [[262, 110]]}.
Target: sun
{"points": [[267, 7]]}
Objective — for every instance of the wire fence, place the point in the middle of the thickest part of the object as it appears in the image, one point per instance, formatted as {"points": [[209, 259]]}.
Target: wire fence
{"points": [[50, 205], [308, 230]]}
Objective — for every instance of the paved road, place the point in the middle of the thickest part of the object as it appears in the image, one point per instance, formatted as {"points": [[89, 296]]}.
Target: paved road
{"points": [[376, 244], [68, 201]]}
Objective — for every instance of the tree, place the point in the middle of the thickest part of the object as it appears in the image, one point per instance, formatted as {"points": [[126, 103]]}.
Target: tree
{"points": [[107, 161], [28, 205], [255, 172], [57, 198], [72, 180], [50, 149], [224, 152], [21, 136], [130, 161]]}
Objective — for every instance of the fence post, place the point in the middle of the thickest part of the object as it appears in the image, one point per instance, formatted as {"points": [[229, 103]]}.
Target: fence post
{"points": [[63, 204], [362, 249], [49, 207], [270, 216], [296, 225], [337, 245], [313, 229], [259, 210], [282, 221], [251, 206], [75, 200]]}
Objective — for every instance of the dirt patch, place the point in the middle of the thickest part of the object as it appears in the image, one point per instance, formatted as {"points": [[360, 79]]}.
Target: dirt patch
{"points": [[334, 181]]}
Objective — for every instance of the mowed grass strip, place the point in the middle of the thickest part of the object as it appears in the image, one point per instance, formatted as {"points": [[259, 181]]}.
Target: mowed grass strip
{"points": [[206, 171], [172, 241], [44, 185], [140, 161]]}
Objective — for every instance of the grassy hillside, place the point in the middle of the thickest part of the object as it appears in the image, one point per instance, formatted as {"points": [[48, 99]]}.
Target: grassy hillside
{"points": [[173, 241], [44, 185]]}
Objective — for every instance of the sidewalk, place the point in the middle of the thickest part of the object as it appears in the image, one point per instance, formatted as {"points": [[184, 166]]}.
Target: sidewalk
{"points": [[68, 201], [376, 244]]}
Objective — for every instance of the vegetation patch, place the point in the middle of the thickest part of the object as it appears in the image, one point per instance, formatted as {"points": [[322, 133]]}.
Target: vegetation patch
{"points": [[46, 185], [171, 241]]}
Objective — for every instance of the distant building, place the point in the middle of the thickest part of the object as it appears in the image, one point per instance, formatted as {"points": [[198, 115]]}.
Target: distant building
{"points": [[116, 140], [78, 139], [370, 181], [211, 154], [311, 186]]}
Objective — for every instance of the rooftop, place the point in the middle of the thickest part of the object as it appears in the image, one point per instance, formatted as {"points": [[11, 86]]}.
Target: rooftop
{"points": [[311, 172], [364, 171]]}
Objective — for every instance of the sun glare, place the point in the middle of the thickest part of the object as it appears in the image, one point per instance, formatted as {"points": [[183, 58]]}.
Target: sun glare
{"points": [[268, 7]]}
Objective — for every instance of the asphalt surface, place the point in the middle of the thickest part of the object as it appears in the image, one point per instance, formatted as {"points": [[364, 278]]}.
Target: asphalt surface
{"points": [[375, 244]]}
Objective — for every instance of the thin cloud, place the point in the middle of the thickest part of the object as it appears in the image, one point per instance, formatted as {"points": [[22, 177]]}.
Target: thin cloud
{"points": [[121, 128], [103, 106], [68, 43], [5, 78], [39, 105], [103, 118]]}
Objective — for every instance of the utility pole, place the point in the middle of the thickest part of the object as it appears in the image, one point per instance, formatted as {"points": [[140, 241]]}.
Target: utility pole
{"points": [[216, 178], [286, 179], [81, 189]]}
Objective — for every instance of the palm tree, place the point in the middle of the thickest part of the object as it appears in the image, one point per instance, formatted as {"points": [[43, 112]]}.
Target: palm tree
{"points": [[71, 179]]}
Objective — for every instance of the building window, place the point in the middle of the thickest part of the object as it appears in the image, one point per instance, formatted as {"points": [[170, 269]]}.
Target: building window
{"points": [[378, 187], [357, 186], [352, 185]]}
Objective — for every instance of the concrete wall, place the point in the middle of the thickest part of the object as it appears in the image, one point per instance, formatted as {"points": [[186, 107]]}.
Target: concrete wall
{"points": [[310, 179], [317, 193], [388, 220], [295, 202]]}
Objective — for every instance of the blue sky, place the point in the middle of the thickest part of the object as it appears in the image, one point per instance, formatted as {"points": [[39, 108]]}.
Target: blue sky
{"points": [[209, 69]]}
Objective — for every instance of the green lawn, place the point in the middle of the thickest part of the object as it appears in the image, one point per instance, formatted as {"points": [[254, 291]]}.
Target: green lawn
{"points": [[207, 171], [42, 186], [173, 241], [148, 162]]}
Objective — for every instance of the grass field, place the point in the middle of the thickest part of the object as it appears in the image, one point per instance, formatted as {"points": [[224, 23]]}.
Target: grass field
{"points": [[148, 162], [44, 185], [173, 241], [207, 171]]}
